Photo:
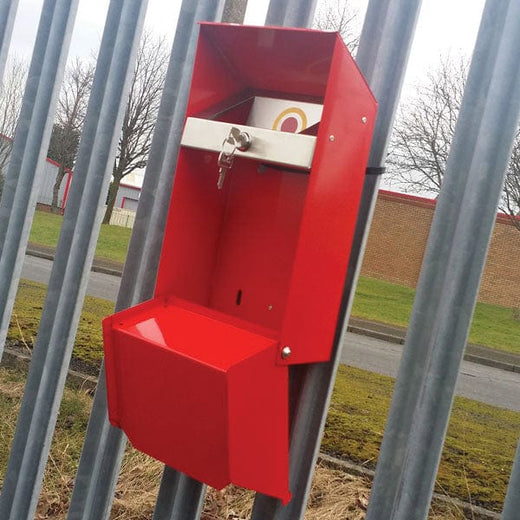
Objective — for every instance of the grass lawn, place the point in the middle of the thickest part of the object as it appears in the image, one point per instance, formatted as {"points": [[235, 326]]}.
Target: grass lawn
{"points": [[27, 312], [492, 326], [479, 447], [112, 242], [478, 451], [334, 495], [475, 466]]}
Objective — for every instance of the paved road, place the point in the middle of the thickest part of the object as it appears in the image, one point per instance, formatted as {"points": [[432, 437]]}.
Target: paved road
{"points": [[100, 285], [486, 384]]}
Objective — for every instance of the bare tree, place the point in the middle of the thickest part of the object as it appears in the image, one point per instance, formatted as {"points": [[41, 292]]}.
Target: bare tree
{"points": [[140, 115], [70, 116], [510, 202], [423, 133], [339, 15], [11, 95], [424, 129]]}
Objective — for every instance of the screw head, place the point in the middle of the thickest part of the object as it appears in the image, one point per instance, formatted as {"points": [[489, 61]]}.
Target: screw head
{"points": [[332, 138], [286, 352], [364, 119]]}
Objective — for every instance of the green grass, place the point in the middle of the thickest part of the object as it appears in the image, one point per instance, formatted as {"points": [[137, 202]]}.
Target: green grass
{"points": [[88, 346], [478, 451], [492, 326], [334, 495], [383, 301], [112, 243], [45, 229], [479, 446]]}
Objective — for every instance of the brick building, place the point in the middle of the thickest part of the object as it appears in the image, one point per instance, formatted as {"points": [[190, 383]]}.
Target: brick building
{"points": [[398, 239]]}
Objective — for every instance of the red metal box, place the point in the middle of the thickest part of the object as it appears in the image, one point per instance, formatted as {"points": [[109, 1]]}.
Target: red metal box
{"points": [[253, 264]]}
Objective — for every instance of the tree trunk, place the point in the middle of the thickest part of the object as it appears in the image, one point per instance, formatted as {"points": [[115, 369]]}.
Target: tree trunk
{"points": [[56, 189], [112, 194]]}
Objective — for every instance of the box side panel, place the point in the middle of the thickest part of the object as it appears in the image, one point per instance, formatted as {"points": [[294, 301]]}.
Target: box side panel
{"points": [[330, 213], [111, 372], [259, 425], [214, 79], [195, 207]]}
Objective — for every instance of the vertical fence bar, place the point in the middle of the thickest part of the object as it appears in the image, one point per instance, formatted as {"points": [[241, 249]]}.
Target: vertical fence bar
{"points": [[30, 145], [383, 63], [179, 495], [452, 269], [382, 56], [512, 502], [291, 13], [74, 255], [7, 15], [234, 11], [104, 445]]}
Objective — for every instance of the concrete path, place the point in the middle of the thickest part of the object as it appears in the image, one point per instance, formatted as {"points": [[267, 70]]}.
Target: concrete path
{"points": [[101, 285]]}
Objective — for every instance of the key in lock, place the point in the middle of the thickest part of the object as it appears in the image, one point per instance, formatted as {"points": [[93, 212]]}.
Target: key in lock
{"points": [[236, 140]]}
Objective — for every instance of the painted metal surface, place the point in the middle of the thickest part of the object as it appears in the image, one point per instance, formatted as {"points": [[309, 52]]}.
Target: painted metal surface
{"points": [[180, 385], [237, 256], [271, 235], [329, 215]]}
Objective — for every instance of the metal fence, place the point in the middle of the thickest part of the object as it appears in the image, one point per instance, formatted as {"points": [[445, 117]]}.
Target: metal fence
{"points": [[447, 290]]}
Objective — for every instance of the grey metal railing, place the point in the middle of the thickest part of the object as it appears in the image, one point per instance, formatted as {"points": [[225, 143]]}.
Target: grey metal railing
{"points": [[30, 145], [451, 273], [291, 13], [73, 259], [512, 501], [7, 15], [450, 278]]}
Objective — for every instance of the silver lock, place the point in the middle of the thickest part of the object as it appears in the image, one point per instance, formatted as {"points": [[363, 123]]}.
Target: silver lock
{"points": [[236, 140]]}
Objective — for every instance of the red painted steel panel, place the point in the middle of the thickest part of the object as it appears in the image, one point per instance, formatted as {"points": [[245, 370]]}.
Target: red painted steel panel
{"points": [[330, 213], [189, 404], [257, 243], [195, 377]]}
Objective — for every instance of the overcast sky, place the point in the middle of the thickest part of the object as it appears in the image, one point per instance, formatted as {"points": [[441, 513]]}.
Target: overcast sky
{"points": [[444, 26]]}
